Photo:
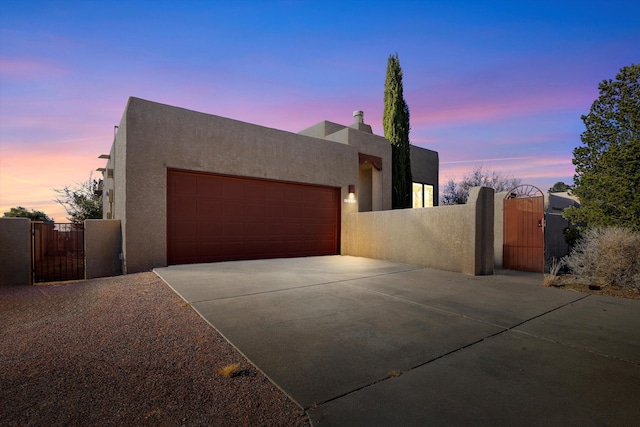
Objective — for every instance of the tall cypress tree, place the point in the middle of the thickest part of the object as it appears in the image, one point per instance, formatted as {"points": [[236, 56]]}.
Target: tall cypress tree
{"points": [[395, 122]]}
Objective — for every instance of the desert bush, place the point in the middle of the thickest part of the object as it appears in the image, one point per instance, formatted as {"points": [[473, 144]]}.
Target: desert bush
{"points": [[556, 265], [609, 255]]}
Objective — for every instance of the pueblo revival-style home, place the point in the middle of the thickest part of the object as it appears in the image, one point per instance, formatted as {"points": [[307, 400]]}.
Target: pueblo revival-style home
{"points": [[190, 187]]}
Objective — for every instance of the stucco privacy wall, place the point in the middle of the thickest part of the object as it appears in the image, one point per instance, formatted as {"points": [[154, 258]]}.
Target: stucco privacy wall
{"points": [[498, 228], [15, 251], [153, 137], [102, 246], [456, 238]]}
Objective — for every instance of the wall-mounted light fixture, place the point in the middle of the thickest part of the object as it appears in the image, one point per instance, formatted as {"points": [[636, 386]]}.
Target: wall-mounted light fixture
{"points": [[352, 189]]}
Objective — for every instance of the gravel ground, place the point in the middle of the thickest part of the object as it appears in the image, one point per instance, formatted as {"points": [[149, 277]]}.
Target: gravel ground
{"points": [[124, 351]]}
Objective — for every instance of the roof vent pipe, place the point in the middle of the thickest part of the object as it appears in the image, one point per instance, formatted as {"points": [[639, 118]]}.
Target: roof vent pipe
{"points": [[359, 116]]}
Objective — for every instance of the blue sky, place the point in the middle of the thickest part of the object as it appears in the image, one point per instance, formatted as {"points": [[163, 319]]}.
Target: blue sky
{"points": [[495, 83]]}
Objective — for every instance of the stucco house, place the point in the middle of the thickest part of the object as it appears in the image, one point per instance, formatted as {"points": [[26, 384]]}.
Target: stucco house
{"points": [[190, 187]]}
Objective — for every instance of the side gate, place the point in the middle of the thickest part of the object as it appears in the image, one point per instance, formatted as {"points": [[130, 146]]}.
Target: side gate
{"points": [[57, 252], [523, 246]]}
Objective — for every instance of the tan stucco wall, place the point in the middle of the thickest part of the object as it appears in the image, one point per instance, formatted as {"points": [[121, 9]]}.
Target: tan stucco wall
{"points": [[498, 228], [15, 251], [102, 245], [455, 238], [153, 137], [373, 145], [322, 129]]}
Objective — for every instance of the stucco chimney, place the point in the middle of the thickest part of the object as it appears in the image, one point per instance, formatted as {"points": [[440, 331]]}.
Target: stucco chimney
{"points": [[358, 123]]}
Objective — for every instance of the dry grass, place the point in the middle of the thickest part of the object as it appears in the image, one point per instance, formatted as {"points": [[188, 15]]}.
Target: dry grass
{"points": [[552, 278], [609, 256], [229, 371], [585, 285]]}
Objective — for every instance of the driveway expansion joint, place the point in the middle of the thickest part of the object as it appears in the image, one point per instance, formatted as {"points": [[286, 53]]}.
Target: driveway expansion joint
{"points": [[301, 286]]}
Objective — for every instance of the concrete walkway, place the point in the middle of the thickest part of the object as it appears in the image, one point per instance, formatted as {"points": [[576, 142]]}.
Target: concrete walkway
{"points": [[357, 341]]}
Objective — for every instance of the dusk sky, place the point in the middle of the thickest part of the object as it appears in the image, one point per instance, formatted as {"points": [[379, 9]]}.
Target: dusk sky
{"points": [[495, 83]]}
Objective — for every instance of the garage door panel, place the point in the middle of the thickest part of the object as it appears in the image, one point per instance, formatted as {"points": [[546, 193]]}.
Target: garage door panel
{"points": [[186, 250], [231, 209], [183, 184], [231, 230], [302, 247], [297, 196], [256, 247], [185, 231], [275, 193], [277, 212], [276, 229], [318, 213], [209, 188], [255, 192], [234, 249], [184, 206], [219, 218], [325, 246], [255, 228], [302, 230], [322, 198], [253, 209], [208, 208], [232, 189], [209, 229], [212, 249]]}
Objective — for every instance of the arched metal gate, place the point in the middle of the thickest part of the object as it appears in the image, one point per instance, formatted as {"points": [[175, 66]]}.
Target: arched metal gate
{"points": [[523, 245]]}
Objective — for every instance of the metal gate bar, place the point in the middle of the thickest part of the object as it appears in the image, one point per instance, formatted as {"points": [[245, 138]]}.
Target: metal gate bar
{"points": [[57, 251]]}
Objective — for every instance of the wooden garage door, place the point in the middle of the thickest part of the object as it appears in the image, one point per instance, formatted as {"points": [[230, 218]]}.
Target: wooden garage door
{"points": [[221, 218]]}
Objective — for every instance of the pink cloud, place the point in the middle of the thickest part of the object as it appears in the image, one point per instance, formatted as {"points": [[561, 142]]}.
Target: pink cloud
{"points": [[29, 69], [541, 171], [479, 109], [27, 178]]}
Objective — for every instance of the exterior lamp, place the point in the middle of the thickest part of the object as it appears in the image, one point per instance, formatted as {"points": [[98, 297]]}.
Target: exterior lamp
{"points": [[352, 189]]}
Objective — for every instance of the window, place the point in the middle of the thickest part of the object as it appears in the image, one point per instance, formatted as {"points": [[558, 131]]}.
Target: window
{"points": [[422, 195]]}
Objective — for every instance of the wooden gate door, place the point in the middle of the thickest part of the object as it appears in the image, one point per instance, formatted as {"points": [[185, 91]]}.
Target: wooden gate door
{"points": [[57, 251], [523, 246]]}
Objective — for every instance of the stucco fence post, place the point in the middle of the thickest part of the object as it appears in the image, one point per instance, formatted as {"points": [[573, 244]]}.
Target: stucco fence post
{"points": [[455, 238], [102, 248], [15, 251]]}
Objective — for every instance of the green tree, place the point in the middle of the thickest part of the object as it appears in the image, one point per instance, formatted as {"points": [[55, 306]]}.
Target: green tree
{"points": [[457, 193], [395, 122], [33, 215], [607, 179], [559, 187], [82, 202]]}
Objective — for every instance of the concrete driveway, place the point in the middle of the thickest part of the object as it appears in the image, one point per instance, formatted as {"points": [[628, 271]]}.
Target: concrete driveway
{"points": [[356, 341]]}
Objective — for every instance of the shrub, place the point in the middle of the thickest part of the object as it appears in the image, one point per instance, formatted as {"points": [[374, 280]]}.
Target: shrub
{"points": [[571, 236], [610, 255], [556, 265]]}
